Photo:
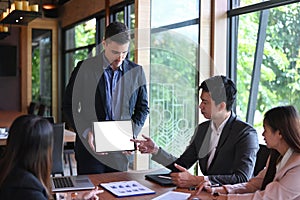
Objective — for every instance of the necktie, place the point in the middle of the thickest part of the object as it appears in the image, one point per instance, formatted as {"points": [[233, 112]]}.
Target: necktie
{"points": [[271, 171]]}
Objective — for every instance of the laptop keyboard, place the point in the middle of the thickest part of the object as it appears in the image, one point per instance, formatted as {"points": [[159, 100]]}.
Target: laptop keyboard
{"points": [[62, 182]]}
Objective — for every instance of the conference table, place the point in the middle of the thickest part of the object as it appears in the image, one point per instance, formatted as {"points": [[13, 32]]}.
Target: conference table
{"points": [[138, 176], [69, 136]]}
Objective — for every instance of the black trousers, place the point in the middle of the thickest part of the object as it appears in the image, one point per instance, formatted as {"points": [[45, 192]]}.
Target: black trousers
{"points": [[89, 164]]}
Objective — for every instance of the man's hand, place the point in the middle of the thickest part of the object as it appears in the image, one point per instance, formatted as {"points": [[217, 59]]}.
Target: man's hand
{"points": [[184, 178], [146, 146], [91, 143]]}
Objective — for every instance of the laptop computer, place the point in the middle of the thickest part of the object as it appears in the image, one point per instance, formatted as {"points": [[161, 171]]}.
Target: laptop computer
{"points": [[111, 136], [69, 183]]}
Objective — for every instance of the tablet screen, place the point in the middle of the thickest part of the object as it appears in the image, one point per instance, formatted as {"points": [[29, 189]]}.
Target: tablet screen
{"points": [[113, 136]]}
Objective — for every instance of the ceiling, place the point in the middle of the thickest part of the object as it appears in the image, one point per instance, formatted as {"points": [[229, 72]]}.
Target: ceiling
{"points": [[4, 3]]}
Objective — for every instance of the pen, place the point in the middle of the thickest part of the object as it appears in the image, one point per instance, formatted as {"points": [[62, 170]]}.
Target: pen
{"points": [[165, 177], [215, 185]]}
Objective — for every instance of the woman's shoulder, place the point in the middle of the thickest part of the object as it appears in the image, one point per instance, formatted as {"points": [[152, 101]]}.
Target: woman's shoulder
{"points": [[22, 183]]}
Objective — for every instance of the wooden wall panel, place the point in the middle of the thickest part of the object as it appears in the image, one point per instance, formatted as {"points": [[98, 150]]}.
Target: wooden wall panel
{"points": [[76, 10]]}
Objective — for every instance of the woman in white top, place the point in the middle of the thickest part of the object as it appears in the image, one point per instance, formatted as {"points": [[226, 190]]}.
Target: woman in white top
{"points": [[280, 179]]}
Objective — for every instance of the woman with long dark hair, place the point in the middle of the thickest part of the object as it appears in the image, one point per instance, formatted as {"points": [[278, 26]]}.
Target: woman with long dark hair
{"points": [[26, 164], [280, 178]]}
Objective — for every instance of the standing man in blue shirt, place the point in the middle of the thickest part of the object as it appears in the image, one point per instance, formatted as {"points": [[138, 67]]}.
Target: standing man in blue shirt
{"points": [[104, 88]]}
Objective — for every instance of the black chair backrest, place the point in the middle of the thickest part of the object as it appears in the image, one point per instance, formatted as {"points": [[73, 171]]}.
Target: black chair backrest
{"points": [[50, 119], [32, 108], [58, 145], [42, 110], [261, 158]]}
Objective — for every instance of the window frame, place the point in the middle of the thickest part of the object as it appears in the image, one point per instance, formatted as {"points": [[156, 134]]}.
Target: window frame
{"points": [[233, 23]]}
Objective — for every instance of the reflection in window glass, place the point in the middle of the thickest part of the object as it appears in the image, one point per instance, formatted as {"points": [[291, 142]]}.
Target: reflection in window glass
{"points": [[173, 102], [169, 11], [81, 35], [280, 79]]}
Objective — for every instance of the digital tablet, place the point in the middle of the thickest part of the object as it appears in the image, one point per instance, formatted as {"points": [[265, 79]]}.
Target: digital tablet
{"points": [[113, 136], [161, 179]]}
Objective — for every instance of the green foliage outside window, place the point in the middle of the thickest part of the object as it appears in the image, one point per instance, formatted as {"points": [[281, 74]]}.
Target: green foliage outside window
{"points": [[280, 79]]}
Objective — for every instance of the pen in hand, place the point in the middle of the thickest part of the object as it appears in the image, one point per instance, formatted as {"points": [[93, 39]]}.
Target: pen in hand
{"points": [[165, 177], [214, 185]]}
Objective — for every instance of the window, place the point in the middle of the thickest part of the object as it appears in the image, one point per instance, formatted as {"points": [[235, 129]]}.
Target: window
{"points": [[42, 68], [83, 40], [79, 44], [173, 73], [266, 59]]}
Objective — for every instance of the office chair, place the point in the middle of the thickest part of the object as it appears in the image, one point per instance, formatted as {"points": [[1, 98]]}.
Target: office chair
{"points": [[42, 110], [58, 146], [261, 158], [32, 108], [50, 119]]}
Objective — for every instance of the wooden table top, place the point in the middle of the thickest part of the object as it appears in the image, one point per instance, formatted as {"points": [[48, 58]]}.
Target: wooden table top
{"points": [[138, 176], [8, 116], [69, 136]]}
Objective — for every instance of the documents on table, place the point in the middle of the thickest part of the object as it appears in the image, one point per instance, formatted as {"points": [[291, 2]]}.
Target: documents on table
{"points": [[126, 188], [173, 195]]}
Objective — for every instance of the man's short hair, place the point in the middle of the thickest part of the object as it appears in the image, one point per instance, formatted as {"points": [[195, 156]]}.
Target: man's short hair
{"points": [[221, 89], [117, 32]]}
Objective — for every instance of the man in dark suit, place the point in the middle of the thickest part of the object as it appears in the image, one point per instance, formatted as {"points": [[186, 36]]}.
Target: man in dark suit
{"points": [[225, 146], [101, 88]]}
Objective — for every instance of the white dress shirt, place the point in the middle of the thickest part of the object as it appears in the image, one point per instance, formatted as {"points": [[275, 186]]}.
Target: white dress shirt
{"points": [[214, 139]]}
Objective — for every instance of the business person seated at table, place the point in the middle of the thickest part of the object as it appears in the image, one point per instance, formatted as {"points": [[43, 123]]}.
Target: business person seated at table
{"points": [[280, 179], [26, 165], [225, 146]]}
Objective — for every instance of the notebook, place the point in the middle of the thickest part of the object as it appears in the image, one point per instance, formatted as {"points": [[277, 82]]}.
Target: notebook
{"points": [[161, 179], [69, 183], [113, 136]]}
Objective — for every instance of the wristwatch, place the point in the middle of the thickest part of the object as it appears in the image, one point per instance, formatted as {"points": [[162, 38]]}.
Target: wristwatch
{"points": [[215, 195]]}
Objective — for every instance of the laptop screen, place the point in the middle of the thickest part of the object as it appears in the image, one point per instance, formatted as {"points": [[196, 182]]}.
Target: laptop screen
{"points": [[113, 136]]}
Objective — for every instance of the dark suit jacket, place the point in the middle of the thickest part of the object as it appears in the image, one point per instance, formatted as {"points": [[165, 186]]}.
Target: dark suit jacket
{"points": [[21, 184], [85, 102], [234, 158]]}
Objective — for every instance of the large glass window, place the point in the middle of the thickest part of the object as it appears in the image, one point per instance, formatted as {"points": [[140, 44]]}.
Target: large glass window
{"points": [[42, 68], [173, 74], [79, 44], [170, 12], [267, 59]]}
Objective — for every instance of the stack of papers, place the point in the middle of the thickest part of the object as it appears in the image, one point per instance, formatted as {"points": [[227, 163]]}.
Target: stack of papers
{"points": [[126, 188]]}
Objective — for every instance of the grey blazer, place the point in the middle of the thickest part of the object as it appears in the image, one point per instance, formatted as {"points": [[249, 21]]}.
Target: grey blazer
{"points": [[235, 155], [85, 102]]}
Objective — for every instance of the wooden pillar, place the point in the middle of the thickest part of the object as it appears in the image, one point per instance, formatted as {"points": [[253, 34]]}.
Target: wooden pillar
{"points": [[107, 12]]}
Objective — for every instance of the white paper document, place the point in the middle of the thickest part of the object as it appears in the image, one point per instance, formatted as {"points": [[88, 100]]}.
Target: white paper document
{"points": [[173, 195], [126, 188], [113, 136]]}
